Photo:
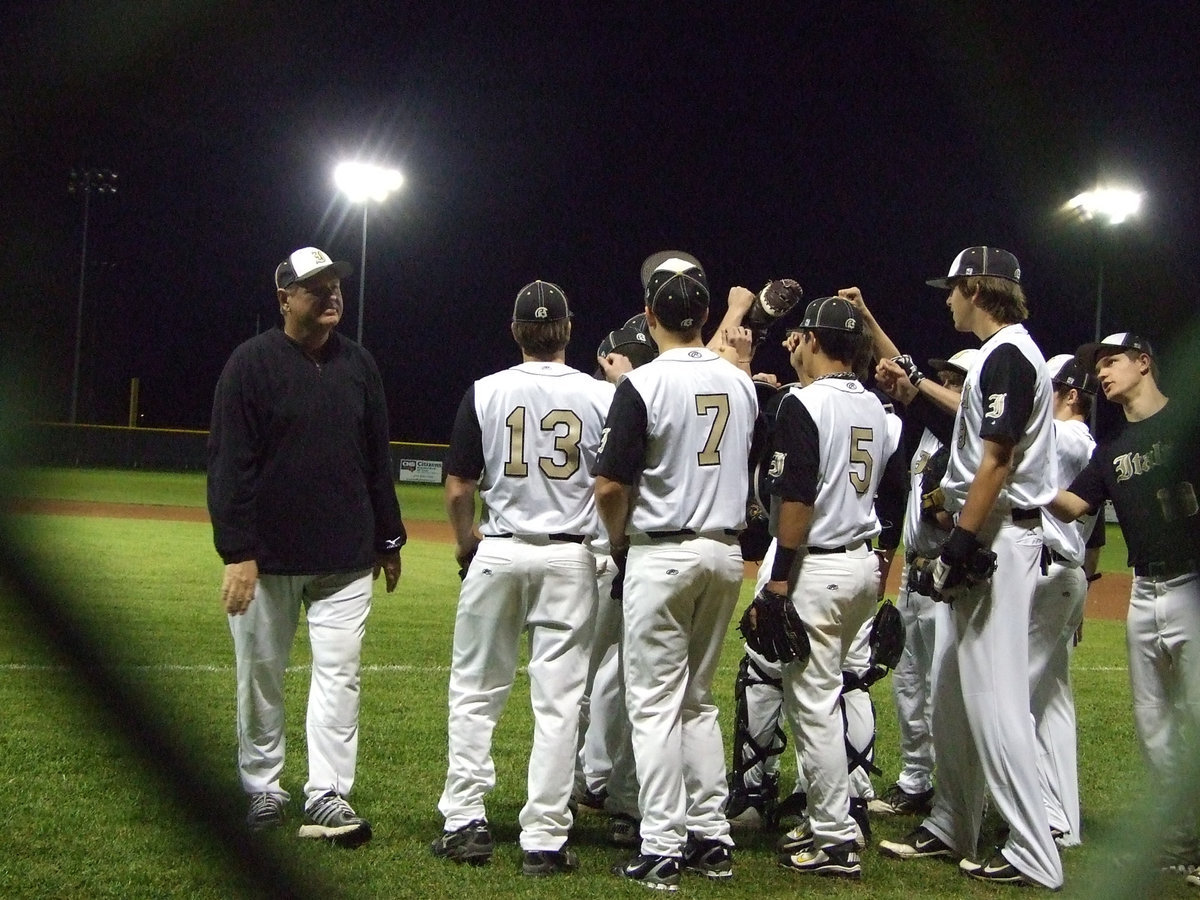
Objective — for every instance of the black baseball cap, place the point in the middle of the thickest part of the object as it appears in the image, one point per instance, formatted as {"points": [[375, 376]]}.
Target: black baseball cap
{"points": [[540, 301], [980, 261], [1122, 340], [306, 263], [629, 342], [676, 288], [1068, 371], [834, 313]]}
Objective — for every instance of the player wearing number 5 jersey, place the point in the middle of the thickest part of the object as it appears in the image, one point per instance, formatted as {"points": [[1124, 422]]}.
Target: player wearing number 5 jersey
{"points": [[671, 483], [525, 438], [1149, 471]]}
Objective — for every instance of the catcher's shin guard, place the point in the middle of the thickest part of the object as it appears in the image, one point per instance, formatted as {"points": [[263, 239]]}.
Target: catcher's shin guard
{"points": [[758, 740], [858, 720]]}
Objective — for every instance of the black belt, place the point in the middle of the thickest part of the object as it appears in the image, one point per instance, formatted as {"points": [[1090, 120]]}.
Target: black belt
{"points": [[1026, 515], [1166, 569], [563, 538], [686, 532], [1049, 556], [845, 548]]}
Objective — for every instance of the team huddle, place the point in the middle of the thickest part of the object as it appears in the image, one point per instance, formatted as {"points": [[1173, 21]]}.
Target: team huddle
{"points": [[609, 516]]}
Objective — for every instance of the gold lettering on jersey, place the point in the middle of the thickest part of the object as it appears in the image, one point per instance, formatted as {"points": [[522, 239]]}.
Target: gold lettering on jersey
{"points": [[920, 461], [860, 455], [718, 404], [995, 406], [515, 466], [568, 434], [1127, 465], [777, 461]]}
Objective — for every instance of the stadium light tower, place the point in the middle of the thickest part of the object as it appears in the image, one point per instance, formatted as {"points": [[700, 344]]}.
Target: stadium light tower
{"points": [[86, 182], [364, 183], [1106, 206]]}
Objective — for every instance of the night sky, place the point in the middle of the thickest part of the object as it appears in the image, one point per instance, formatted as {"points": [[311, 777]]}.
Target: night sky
{"points": [[848, 143]]}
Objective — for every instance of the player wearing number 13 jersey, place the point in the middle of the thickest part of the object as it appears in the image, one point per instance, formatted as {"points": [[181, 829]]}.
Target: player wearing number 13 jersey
{"points": [[524, 438], [671, 486]]}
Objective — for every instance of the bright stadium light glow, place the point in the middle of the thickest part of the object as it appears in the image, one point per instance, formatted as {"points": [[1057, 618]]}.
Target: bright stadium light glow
{"points": [[362, 181], [1114, 205]]}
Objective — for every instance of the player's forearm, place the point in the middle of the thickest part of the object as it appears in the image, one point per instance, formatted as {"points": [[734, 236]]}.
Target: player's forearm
{"points": [[791, 534], [989, 480], [612, 503], [460, 507], [940, 395], [885, 348], [1068, 507]]}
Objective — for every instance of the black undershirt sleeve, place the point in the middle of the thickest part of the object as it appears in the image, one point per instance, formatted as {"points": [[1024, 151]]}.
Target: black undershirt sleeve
{"points": [[891, 499], [939, 422], [623, 445], [796, 436], [1006, 382], [465, 456]]}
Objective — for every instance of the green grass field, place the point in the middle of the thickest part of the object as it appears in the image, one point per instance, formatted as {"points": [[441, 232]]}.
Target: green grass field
{"points": [[90, 815]]}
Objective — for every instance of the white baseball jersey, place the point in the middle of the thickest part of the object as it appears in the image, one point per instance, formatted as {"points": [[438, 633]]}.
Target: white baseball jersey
{"points": [[1007, 394], [919, 535], [534, 473], [1074, 445], [836, 430], [690, 398]]}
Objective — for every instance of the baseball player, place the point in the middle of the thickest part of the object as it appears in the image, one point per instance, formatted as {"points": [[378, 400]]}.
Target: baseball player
{"points": [[671, 480], [304, 513], [524, 438], [1149, 471], [1001, 470], [1057, 609], [832, 443]]}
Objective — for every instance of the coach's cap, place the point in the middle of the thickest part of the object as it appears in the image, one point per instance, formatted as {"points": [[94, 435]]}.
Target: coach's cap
{"points": [[676, 288], [959, 362], [540, 301], [306, 263], [980, 261], [1122, 340], [1068, 371], [629, 342], [834, 313]]}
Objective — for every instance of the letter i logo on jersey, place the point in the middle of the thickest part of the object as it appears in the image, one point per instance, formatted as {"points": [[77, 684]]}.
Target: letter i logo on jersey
{"points": [[777, 461], [995, 406]]}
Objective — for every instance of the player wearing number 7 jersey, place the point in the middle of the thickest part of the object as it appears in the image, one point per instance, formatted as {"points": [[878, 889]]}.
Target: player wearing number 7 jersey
{"points": [[671, 484], [525, 438]]}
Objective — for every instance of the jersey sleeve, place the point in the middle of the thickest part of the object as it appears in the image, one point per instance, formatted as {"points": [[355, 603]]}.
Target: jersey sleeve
{"points": [[796, 439], [1006, 382], [891, 499], [465, 456], [390, 534], [234, 454], [623, 441], [1089, 484]]}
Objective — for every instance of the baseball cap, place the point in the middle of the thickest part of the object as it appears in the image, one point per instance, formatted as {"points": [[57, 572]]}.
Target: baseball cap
{"points": [[1122, 340], [834, 313], [1068, 371], [676, 288], [980, 261], [629, 342], [959, 362], [305, 263], [540, 301]]}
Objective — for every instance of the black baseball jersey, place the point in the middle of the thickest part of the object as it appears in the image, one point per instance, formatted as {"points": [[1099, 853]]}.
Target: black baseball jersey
{"points": [[1150, 471]]}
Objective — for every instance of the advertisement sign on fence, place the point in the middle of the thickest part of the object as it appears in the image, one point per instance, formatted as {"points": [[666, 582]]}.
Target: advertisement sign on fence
{"points": [[426, 471]]}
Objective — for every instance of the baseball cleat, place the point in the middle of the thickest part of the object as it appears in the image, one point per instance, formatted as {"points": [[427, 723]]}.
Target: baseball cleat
{"points": [[624, 830], [591, 799], [658, 872], [838, 861], [920, 843], [549, 862], [1193, 877], [331, 818], [266, 811], [800, 838], [898, 802], [711, 859], [471, 844], [996, 870]]}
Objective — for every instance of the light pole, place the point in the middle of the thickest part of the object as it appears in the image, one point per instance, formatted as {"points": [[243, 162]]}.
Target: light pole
{"points": [[86, 182], [1106, 207], [362, 183]]}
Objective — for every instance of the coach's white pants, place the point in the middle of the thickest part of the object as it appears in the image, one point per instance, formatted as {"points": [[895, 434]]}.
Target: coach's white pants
{"points": [[549, 590], [679, 598], [1056, 613], [912, 685], [1163, 638], [835, 594], [337, 608], [982, 727]]}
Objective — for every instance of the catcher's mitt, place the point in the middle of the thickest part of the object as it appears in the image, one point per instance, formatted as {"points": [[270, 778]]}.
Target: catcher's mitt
{"points": [[887, 636], [774, 630]]}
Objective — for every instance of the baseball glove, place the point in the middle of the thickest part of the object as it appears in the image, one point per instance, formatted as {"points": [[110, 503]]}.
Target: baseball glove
{"points": [[964, 563], [932, 497], [887, 636], [773, 629]]}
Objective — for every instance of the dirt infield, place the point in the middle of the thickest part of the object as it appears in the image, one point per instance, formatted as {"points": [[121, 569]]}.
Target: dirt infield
{"points": [[1107, 598]]}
